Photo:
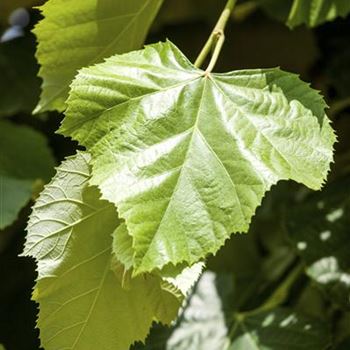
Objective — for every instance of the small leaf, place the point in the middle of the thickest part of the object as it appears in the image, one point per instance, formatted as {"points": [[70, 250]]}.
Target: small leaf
{"points": [[72, 36], [187, 156], [24, 159]]}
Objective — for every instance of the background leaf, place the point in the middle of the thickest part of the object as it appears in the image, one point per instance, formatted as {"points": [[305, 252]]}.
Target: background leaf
{"points": [[309, 12], [24, 159], [319, 230], [75, 35]]}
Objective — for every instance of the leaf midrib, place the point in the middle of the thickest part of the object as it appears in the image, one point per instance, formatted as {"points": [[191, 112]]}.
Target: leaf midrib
{"points": [[195, 129], [176, 185]]}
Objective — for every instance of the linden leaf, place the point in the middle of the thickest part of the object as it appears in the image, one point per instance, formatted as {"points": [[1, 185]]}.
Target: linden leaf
{"points": [[76, 34], [69, 234], [187, 156]]}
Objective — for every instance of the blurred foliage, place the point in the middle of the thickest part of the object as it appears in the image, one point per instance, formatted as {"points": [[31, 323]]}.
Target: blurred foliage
{"points": [[210, 322], [311, 12], [26, 161], [20, 87], [319, 231]]}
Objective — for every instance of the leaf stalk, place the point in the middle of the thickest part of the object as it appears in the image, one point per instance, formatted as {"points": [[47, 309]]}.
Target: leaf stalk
{"points": [[217, 38]]}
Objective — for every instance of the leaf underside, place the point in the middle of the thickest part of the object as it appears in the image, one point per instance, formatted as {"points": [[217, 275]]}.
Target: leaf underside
{"points": [[187, 156]]}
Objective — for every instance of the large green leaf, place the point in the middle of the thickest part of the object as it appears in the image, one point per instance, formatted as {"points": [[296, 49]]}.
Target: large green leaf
{"points": [[76, 34], [20, 87], [83, 305], [188, 156], [319, 229], [208, 322], [309, 12], [24, 159]]}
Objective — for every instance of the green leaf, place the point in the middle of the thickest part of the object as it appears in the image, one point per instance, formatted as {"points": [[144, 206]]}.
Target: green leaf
{"points": [[309, 12], [82, 304], [208, 322], [14, 195], [315, 12], [75, 35], [20, 87], [319, 229], [187, 156], [24, 159]]}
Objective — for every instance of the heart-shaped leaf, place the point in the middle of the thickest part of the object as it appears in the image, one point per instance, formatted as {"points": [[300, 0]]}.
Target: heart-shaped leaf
{"points": [[188, 155]]}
